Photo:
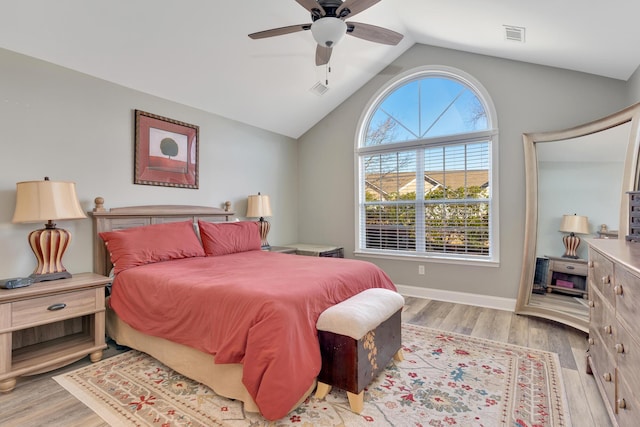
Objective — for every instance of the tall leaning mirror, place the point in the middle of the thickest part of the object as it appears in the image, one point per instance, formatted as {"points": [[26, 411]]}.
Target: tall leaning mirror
{"points": [[576, 184]]}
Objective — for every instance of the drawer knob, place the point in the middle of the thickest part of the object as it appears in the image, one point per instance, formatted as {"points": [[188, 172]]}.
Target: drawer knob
{"points": [[619, 348], [591, 341], [618, 289], [621, 403], [56, 307], [570, 267], [607, 329], [606, 376], [605, 280], [590, 264], [591, 304]]}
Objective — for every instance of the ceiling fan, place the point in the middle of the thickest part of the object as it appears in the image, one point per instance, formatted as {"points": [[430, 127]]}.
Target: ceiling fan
{"points": [[328, 26]]}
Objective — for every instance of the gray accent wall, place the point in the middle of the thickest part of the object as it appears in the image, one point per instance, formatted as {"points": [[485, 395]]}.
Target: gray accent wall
{"points": [[527, 98], [633, 84], [72, 127]]}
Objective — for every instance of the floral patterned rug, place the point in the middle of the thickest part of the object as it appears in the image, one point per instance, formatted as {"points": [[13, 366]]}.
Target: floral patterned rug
{"points": [[446, 379]]}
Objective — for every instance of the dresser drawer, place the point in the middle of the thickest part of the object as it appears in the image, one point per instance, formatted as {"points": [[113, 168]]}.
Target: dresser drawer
{"points": [[602, 277], [628, 356], [604, 368], [602, 319], [52, 308], [627, 409], [627, 294]]}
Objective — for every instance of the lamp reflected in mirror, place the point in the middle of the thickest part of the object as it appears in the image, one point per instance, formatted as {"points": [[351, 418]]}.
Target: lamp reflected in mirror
{"points": [[573, 224]]}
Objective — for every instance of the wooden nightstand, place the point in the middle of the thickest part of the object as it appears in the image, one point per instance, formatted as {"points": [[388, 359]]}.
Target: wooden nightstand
{"points": [[317, 250], [281, 249], [50, 324], [569, 271]]}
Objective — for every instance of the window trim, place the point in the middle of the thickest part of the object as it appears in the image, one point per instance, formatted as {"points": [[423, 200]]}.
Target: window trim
{"points": [[491, 132]]}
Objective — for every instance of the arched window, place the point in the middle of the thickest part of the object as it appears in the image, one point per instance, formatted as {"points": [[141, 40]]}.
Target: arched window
{"points": [[426, 151]]}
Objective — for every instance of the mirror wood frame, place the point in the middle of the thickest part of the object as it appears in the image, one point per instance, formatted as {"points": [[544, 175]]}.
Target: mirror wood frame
{"points": [[629, 183]]}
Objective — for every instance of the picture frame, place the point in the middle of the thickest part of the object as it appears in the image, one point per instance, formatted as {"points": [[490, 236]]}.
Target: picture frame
{"points": [[166, 151]]}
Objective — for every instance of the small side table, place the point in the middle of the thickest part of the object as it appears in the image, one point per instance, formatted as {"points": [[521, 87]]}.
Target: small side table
{"points": [[67, 316], [569, 270], [318, 250], [281, 249]]}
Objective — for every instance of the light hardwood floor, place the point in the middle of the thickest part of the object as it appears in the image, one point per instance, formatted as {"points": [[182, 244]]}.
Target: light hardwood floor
{"points": [[40, 401]]}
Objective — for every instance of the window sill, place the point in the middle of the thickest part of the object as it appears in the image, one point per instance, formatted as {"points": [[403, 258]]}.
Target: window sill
{"points": [[429, 258]]}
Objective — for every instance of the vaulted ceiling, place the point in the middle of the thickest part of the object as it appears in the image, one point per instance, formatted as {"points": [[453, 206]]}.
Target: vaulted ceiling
{"points": [[196, 52]]}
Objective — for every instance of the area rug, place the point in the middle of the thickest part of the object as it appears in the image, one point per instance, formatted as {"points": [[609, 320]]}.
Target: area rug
{"points": [[445, 379]]}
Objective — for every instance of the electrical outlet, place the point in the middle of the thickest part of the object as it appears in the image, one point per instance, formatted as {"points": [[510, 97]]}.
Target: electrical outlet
{"points": [[421, 269]]}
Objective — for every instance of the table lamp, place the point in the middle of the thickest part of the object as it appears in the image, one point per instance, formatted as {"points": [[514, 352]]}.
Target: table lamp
{"points": [[573, 224], [38, 201], [258, 206]]}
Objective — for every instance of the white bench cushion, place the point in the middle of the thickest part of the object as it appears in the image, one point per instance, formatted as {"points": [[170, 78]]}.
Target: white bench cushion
{"points": [[361, 313]]}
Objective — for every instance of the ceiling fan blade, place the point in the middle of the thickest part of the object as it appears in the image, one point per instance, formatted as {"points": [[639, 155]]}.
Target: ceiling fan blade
{"points": [[310, 5], [373, 33], [323, 54], [280, 31], [354, 7]]}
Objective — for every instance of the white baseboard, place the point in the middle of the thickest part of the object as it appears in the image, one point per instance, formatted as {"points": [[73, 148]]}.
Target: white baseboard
{"points": [[498, 303]]}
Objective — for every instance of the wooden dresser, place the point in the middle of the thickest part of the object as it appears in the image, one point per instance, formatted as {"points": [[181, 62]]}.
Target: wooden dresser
{"points": [[614, 326]]}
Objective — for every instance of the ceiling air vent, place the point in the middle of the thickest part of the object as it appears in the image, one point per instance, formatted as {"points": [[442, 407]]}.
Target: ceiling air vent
{"points": [[513, 33], [319, 89]]}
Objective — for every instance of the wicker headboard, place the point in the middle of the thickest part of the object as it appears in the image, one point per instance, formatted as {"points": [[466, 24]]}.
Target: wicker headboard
{"points": [[135, 216]]}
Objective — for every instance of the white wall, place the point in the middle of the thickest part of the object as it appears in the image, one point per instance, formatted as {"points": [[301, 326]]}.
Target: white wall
{"points": [[71, 127], [527, 98]]}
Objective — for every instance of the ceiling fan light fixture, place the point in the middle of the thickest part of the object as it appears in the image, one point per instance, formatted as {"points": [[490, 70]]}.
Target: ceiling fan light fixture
{"points": [[328, 31]]}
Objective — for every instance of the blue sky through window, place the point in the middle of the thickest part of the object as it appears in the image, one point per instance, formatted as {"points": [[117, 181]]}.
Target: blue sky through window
{"points": [[427, 108]]}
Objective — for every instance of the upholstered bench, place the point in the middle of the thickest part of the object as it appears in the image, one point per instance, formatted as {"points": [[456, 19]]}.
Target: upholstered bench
{"points": [[358, 337]]}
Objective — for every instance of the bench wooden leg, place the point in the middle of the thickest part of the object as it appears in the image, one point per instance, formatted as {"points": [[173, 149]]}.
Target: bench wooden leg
{"points": [[398, 357], [322, 390], [356, 401]]}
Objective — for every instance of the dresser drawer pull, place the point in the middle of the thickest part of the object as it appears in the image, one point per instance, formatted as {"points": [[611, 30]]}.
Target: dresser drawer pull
{"points": [[56, 307], [570, 267], [621, 403], [619, 348], [605, 280], [617, 289], [606, 376], [590, 264], [591, 341], [607, 329], [591, 304]]}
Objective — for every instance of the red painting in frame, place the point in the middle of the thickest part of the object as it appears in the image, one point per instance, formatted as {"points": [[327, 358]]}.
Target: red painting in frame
{"points": [[166, 151]]}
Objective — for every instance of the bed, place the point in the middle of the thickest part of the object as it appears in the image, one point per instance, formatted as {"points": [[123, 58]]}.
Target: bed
{"points": [[193, 289]]}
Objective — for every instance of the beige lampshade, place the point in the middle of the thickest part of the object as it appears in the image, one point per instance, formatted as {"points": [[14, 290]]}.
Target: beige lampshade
{"points": [[258, 206], [41, 201], [576, 224]]}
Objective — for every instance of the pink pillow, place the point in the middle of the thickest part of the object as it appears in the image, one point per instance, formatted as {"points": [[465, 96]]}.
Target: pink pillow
{"points": [[229, 237], [152, 243]]}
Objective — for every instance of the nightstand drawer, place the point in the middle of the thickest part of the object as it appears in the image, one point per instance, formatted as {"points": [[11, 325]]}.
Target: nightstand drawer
{"points": [[52, 308], [569, 267]]}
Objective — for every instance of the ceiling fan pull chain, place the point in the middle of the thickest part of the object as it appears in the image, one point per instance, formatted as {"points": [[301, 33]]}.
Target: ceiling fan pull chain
{"points": [[327, 71]]}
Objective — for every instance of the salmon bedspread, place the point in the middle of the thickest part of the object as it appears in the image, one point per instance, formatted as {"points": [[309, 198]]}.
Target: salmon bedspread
{"points": [[257, 308]]}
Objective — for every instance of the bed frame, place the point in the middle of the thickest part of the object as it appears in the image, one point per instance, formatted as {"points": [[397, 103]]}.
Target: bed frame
{"points": [[224, 379]]}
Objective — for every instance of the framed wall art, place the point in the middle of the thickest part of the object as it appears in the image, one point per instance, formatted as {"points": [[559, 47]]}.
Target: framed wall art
{"points": [[166, 151]]}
